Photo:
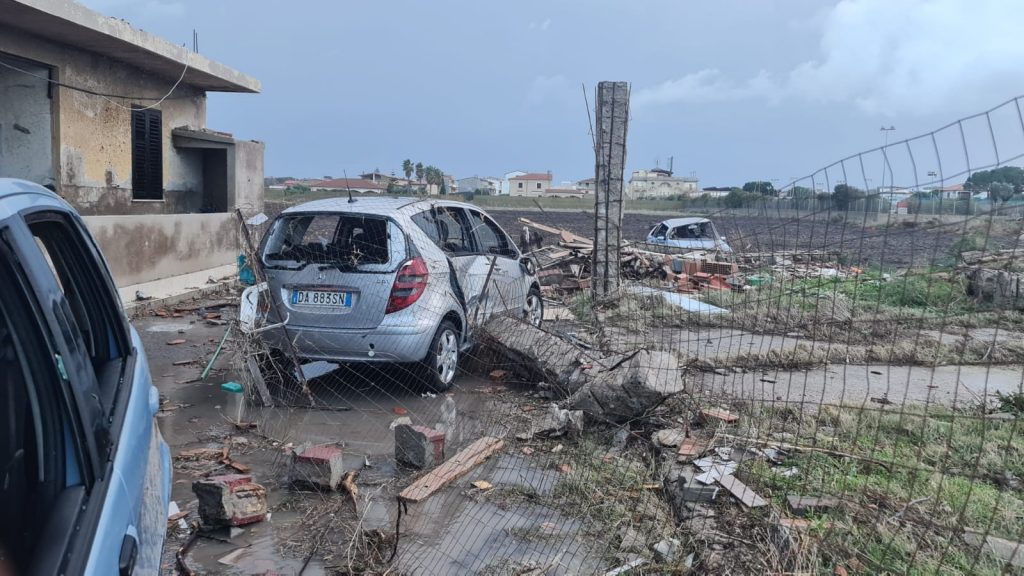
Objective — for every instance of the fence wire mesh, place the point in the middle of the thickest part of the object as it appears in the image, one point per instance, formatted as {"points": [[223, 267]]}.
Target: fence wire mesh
{"points": [[828, 390]]}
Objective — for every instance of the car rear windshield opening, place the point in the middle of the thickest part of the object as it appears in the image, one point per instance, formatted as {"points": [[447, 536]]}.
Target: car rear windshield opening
{"points": [[349, 241]]}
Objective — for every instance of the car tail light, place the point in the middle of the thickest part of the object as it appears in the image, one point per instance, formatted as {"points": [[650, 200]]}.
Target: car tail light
{"points": [[409, 285]]}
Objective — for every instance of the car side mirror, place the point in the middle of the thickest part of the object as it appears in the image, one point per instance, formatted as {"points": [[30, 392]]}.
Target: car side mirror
{"points": [[527, 265]]}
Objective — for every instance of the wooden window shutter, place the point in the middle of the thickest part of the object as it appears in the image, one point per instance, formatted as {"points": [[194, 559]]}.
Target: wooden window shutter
{"points": [[147, 155]]}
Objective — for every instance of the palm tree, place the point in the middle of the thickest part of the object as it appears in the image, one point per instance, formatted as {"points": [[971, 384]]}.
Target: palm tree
{"points": [[407, 168], [419, 171]]}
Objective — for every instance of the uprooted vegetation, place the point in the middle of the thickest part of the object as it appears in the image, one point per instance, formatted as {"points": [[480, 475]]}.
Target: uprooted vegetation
{"points": [[910, 482]]}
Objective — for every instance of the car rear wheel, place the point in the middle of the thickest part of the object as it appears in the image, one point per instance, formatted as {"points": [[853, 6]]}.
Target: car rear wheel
{"points": [[534, 311], [442, 361]]}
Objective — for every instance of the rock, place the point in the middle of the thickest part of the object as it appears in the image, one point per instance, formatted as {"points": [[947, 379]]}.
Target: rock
{"points": [[803, 505], [319, 465], [669, 437], [230, 500], [403, 421], [559, 422], [1005, 416], [666, 550], [631, 540], [419, 446], [1004, 550], [708, 415], [721, 371], [621, 438]]}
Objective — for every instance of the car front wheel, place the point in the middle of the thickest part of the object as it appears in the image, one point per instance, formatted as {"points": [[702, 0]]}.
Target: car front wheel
{"points": [[442, 359], [534, 311]]}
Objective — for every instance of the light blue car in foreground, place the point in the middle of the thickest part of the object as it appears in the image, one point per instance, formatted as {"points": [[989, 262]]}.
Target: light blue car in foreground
{"points": [[84, 472]]}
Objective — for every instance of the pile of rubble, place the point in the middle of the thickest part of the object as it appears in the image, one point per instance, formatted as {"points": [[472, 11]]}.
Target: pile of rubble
{"points": [[565, 267], [995, 277]]}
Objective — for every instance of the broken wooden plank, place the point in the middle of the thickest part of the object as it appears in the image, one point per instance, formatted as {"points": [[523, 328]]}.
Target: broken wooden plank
{"points": [[709, 414], [744, 494], [467, 459]]}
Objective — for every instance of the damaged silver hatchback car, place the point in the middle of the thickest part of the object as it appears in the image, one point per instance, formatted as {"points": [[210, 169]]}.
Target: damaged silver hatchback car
{"points": [[390, 280]]}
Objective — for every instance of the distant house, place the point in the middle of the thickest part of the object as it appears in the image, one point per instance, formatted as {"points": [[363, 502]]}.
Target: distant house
{"points": [[474, 183], [530, 184], [659, 183], [377, 176], [586, 184], [506, 188], [451, 184], [354, 184]]}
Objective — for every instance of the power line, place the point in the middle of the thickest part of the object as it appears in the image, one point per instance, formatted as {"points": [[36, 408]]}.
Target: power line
{"points": [[101, 94]]}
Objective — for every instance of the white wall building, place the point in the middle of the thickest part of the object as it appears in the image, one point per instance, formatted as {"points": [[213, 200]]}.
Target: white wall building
{"points": [[660, 183], [504, 189]]}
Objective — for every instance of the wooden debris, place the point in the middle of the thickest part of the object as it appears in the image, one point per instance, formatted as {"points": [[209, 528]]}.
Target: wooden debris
{"points": [[709, 414], [456, 466], [803, 505], [183, 362], [747, 496], [200, 453], [176, 341]]}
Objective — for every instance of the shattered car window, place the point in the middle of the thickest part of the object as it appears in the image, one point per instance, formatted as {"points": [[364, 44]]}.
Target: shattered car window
{"points": [[350, 241]]}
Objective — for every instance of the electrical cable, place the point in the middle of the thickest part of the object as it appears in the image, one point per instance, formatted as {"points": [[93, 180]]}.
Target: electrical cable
{"points": [[106, 97]]}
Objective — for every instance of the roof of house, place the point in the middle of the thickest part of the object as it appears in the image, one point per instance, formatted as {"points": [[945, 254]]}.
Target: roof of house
{"points": [[345, 183], [533, 176], [72, 24]]}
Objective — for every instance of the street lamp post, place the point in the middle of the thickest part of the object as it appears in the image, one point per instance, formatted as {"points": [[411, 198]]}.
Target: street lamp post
{"points": [[885, 143]]}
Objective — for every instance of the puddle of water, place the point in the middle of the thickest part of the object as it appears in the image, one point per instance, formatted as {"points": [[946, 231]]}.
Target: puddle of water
{"points": [[169, 327]]}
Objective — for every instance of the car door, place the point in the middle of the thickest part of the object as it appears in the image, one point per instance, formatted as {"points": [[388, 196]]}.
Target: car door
{"points": [[101, 362], [507, 287], [456, 240]]}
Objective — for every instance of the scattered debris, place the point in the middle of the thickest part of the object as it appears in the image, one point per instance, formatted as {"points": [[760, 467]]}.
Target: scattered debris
{"points": [[689, 447], [459, 464], [498, 375], [482, 485], [669, 437], [666, 550], [176, 341], [230, 500], [745, 495], [1005, 550]]}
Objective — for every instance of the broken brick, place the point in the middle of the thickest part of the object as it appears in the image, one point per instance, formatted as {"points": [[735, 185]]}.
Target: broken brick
{"points": [[689, 448], [318, 465], [804, 505], [230, 500], [498, 375], [419, 446]]}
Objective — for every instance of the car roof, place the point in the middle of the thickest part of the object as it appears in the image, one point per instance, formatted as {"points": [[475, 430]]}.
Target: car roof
{"points": [[16, 195], [370, 204], [673, 222]]}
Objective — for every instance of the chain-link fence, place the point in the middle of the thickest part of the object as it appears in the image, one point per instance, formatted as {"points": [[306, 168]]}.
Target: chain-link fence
{"points": [[818, 392]]}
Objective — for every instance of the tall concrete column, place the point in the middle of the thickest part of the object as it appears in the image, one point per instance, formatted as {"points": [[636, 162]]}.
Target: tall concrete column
{"points": [[612, 120]]}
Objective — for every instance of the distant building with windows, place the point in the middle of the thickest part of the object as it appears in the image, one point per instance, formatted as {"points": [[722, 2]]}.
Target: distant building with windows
{"points": [[530, 184], [660, 183], [474, 183], [506, 186]]}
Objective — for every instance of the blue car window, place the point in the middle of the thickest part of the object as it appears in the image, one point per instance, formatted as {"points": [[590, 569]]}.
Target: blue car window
{"points": [[96, 315], [38, 458]]}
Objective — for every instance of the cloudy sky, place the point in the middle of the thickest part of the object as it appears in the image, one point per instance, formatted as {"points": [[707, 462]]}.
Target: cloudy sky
{"points": [[734, 90]]}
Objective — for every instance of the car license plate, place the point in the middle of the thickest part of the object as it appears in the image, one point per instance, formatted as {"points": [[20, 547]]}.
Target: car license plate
{"points": [[322, 298]]}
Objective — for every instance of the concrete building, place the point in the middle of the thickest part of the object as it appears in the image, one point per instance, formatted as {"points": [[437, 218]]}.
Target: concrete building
{"points": [[114, 119], [506, 188], [530, 184], [473, 183], [659, 183]]}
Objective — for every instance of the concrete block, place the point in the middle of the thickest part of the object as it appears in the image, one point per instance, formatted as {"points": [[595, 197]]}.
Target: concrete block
{"points": [[419, 446], [804, 505], [230, 500], [318, 465]]}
